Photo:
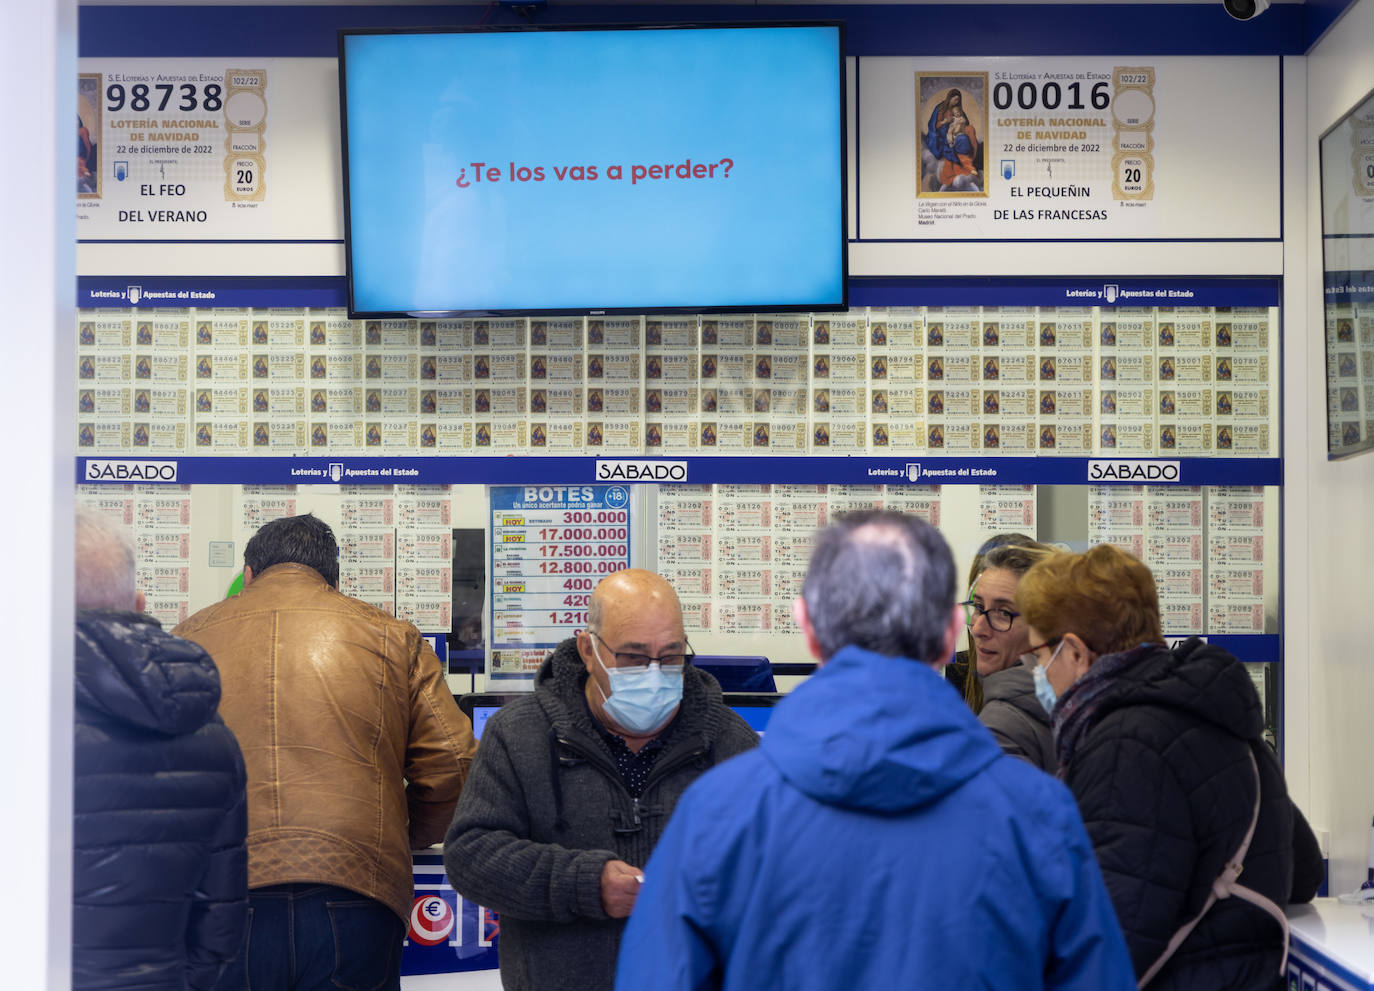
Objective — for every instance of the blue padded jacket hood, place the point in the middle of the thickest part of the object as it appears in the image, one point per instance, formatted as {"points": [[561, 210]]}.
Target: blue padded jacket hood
{"points": [[917, 742]]}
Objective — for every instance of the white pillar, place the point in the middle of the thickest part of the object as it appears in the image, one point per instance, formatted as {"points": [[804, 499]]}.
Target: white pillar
{"points": [[37, 272]]}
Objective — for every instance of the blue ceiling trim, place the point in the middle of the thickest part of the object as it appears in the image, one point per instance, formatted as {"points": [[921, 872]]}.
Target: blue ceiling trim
{"points": [[876, 29]]}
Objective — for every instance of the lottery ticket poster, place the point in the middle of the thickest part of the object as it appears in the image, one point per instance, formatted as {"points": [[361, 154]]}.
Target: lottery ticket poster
{"points": [[170, 146], [366, 533], [550, 545], [737, 555], [1064, 148], [183, 149]]}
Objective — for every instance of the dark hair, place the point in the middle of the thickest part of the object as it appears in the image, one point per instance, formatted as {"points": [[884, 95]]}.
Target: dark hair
{"points": [[295, 540], [882, 581]]}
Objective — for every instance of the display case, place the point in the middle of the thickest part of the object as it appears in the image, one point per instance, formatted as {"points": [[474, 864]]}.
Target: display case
{"points": [[472, 467], [1347, 187]]}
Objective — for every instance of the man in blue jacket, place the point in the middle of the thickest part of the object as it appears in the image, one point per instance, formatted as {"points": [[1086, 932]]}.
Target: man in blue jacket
{"points": [[878, 838]]}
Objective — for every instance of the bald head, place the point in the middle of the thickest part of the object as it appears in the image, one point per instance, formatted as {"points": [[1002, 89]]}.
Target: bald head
{"points": [[104, 564], [632, 612], [628, 592]]}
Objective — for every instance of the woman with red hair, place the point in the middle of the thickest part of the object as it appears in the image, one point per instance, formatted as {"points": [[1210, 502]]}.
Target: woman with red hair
{"points": [[1163, 749]]}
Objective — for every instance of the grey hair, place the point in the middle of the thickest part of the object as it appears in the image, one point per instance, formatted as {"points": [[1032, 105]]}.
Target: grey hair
{"points": [[882, 581], [104, 563]]}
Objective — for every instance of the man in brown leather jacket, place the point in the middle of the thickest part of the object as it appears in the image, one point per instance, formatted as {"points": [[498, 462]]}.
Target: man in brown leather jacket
{"points": [[356, 755]]}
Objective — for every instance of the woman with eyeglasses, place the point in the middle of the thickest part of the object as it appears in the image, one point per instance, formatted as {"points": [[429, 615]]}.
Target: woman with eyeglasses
{"points": [[963, 672], [1162, 748], [1000, 637]]}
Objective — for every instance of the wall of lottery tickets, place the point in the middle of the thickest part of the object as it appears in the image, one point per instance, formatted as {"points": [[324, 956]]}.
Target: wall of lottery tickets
{"points": [[1191, 381], [1349, 376], [736, 553], [1196, 381]]}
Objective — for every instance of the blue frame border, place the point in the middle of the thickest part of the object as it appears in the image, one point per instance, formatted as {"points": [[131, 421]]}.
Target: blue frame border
{"points": [[331, 292], [742, 469], [872, 29]]}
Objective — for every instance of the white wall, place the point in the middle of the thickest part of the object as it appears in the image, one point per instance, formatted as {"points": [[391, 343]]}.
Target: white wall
{"points": [[37, 268], [1329, 543]]}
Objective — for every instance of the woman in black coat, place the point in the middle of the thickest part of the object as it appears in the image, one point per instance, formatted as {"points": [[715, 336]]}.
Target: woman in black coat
{"points": [[1163, 751]]}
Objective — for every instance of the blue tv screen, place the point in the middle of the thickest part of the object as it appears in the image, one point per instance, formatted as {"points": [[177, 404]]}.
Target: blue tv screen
{"points": [[594, 170]]}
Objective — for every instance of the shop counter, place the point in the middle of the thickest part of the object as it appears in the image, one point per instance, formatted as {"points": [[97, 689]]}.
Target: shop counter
{"points": [[453, 942], [446, 934], [1332, 946]]}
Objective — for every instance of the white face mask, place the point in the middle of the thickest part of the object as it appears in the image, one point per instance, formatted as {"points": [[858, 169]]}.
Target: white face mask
{"points": [[642, 699]]}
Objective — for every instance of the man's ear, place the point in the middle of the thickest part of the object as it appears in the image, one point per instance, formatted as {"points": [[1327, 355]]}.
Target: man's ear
{"points": [[247, 576], [140, 602], [803, 619], [584, 650]]}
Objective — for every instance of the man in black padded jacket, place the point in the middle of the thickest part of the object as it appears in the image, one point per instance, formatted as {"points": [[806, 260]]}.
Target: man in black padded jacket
{"points": [[160, 871]]}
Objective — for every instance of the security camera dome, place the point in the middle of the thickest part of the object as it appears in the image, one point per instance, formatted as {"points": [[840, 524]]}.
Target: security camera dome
{"points": [[1243, 10]]}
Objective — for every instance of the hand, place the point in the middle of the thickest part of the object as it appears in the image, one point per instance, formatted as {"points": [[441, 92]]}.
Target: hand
{"points": [[620, 884]]}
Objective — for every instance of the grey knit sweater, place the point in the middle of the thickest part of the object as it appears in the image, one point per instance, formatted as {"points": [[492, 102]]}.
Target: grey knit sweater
{"points": [[544, 808]]}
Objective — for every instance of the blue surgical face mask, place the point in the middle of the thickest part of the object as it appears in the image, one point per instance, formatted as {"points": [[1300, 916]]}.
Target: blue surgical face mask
{"points": [[1044, 691], [642, 699]]}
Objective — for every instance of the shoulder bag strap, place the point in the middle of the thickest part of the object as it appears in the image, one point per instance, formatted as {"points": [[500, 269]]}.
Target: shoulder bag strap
{"points": [[1224, 887]]}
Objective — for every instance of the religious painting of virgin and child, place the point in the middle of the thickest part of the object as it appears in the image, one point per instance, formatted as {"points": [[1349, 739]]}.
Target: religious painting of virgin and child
{"points": [[951, 128]]}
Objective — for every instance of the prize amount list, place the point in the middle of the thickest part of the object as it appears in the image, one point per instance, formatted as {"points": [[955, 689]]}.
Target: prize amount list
{"points": [[545, 565]]}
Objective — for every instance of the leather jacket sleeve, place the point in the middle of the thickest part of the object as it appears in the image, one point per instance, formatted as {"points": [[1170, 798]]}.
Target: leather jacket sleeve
{"points": [[439, 750]]}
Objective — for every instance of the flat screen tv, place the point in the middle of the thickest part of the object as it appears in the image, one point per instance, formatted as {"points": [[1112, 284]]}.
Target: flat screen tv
{"points": [[594, 170]]}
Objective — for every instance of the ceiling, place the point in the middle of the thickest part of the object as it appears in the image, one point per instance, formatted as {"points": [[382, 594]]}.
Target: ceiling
{"points": [[604, 3]]}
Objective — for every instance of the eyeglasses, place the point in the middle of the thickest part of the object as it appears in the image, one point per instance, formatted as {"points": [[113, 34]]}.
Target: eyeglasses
{"points": [[637, 660], [1032, 656], [999, 619]]}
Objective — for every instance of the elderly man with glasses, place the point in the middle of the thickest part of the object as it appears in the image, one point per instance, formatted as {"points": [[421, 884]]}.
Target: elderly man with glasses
{"points": [[573, 785]]}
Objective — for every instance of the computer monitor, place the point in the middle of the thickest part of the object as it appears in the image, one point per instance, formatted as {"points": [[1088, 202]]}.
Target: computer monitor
{"points": [[738, 673], [480, 706], [754, 707]]}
